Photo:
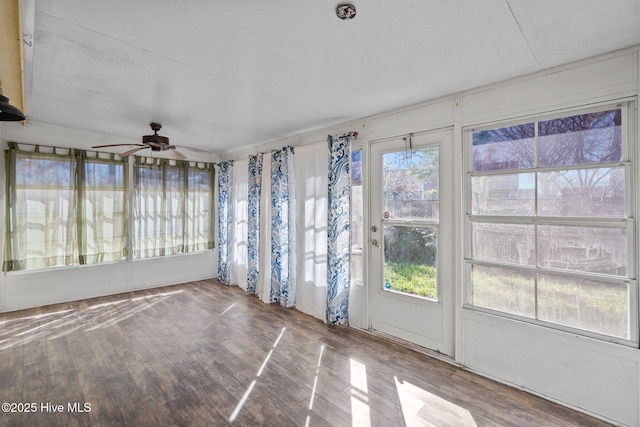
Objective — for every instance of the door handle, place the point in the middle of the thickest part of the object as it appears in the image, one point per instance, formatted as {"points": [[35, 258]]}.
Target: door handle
{"points": [[374, 242]]}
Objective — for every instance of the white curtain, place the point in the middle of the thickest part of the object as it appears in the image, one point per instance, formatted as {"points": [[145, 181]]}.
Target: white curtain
{"points": [[253, 221], [311, 194], [311, 179], [238, 264], [311, 190], [264, 277]]}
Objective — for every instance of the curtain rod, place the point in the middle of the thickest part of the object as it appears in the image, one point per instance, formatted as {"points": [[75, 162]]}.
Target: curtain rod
{"points": [[353, 134], [349, 134], [272, 150]]}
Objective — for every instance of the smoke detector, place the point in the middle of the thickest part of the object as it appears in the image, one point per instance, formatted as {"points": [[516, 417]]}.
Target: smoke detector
{"points": [[345, 11]]}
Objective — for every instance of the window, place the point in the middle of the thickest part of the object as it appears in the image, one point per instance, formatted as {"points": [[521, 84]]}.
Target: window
{"points": [[550, 224], [357, 227], [69, 207], [64, 207], [173, 210]]}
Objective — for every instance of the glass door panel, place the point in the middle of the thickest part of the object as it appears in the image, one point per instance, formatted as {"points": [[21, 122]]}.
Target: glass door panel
{"points": [[410, 255], [411, 184]]}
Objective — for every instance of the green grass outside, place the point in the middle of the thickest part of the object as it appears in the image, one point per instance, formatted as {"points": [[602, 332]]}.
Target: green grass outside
{"points": [[588, 305], [593, 306], [412, 279]]}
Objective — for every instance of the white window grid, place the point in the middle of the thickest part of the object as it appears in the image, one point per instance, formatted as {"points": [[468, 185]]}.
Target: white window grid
{"points": [[629, 161]]}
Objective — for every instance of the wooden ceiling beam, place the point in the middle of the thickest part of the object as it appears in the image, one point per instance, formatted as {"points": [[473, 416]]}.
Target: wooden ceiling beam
{"points": [[11, 64]]}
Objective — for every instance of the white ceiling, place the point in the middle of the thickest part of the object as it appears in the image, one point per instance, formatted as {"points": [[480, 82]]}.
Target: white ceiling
{"points": [[222, 74]]}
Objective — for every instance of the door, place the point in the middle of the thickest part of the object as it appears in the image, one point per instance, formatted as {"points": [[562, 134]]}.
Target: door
{"points": [[411, 239]]}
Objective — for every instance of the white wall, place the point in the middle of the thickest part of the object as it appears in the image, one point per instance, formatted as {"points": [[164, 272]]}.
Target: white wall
{"points": [[36, 288]]}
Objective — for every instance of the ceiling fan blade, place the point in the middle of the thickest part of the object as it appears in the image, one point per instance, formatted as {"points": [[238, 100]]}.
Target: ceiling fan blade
{"points": [[176, 154], [118, 145], [134, 150]]}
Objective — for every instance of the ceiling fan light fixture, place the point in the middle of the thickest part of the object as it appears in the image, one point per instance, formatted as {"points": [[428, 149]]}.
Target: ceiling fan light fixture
{"points": [[345, 11]]}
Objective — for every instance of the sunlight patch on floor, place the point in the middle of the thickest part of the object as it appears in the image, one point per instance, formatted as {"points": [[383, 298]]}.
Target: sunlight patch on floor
{"points": [[360, 411], [241, 402], [57, 324], [420, 407], [315, 384], [228, 308], [221, 314], [244, 398], [35, 316], [125, 314]]}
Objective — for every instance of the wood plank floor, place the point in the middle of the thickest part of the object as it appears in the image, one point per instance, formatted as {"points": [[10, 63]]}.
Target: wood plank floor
{"points": [[202, 354]]}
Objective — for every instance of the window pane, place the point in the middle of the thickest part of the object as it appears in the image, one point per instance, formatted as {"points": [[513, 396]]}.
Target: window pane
{"points": [[410, 256], [45, 214], [514, 243], [582, 139], [503, 289], [99, 174], [589, 249], [356, 167], [104, 216], [148, 212], [174, 211], [54, 172], [505, 148], [411, 184], [357, 238], [585, 304], [583, 192], [512, 194], [197, 236]]}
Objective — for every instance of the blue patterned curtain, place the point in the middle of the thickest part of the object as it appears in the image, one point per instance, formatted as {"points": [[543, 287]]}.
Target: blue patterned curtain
{"points": [[253, 219], [283, 228], [338, 232], [225, 221]]}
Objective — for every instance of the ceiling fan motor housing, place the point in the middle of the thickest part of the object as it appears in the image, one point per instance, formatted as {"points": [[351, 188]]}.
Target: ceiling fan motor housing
{"points": [[157, 142]]}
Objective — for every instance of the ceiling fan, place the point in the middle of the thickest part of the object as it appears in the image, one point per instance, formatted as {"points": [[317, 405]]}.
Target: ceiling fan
{"points": [[155, 142]]}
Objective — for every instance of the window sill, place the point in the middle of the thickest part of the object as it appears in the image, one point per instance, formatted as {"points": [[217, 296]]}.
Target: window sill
{"points": [[63, 268], [547, 331]]}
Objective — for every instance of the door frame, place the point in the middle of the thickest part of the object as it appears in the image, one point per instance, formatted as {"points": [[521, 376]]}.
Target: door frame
{"points": [[445, 140]]}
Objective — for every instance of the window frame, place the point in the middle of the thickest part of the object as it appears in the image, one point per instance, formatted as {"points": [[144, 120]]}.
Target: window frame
{"points": [[629, 160]]}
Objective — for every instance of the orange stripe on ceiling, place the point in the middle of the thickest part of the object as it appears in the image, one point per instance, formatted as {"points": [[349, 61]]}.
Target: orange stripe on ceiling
{"points": [[11, 68]]}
